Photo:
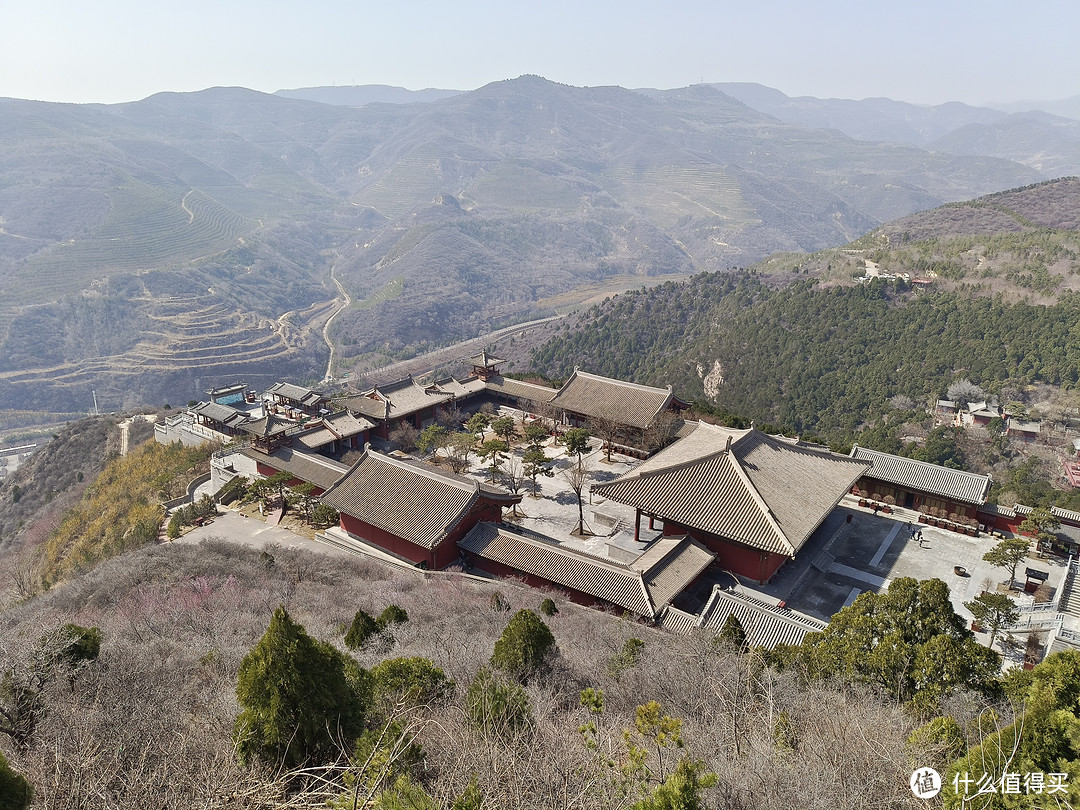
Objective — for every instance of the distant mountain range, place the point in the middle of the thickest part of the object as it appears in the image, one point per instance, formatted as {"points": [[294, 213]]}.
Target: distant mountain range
{"points": [[360, 95], [152, 249], [1041, 134], [1048, 142]]}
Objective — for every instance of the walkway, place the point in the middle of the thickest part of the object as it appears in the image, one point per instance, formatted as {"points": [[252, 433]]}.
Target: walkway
{"points": [[234, 527]]}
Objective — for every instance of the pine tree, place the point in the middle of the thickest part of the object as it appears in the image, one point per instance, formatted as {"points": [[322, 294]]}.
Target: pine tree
{"points": [[362, 628], [1008, 554], [497, 706], [734, 632], [302, 699], [15, 792], [523, 646]]}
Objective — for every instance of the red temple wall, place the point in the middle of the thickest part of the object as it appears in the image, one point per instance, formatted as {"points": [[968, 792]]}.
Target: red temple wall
{"points": [[739, 559]]}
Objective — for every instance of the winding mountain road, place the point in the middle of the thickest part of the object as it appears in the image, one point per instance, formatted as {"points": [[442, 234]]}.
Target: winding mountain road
{"points": [[346, 301]]}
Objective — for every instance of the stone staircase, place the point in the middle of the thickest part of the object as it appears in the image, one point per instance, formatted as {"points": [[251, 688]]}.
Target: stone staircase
{"points": [[1069, 603]]}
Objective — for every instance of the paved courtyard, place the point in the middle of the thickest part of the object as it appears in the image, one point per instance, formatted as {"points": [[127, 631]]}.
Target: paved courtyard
{"points": [[235, 527], [841, 560], [555, 512], [844, 559]]}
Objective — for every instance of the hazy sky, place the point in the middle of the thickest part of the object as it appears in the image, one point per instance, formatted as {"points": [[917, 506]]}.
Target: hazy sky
{"points": [[923, 51]]}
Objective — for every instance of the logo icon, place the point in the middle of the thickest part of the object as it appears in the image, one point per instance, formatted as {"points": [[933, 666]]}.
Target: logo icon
{"points": [[925, 783]]}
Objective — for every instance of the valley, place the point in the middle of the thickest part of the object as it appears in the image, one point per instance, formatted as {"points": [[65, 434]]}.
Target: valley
{"points": [[151, 250]]}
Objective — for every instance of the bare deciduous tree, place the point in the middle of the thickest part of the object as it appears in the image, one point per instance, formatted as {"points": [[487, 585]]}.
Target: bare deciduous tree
{"points": [[608, 430], [964, 391], [577, 475], [513, 476], [661, 432], [458, 448]]}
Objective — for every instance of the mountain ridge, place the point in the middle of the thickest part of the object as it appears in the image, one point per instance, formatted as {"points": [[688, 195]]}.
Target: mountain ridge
{"points": [[985, 290], [239, 205]]}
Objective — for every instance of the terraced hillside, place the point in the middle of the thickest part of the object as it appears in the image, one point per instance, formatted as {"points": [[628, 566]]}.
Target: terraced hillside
{"points": [[1024, 243], [189, 343], [147, 248], [146, 228]]}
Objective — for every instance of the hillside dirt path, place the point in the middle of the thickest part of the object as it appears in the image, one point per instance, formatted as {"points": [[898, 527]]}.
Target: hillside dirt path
{"points": [[183, 204], [346, 301], [125, 428]]}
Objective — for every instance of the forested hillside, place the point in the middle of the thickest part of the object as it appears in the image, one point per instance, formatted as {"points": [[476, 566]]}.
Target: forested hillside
{"points": [[821, 360], [797, 343]]}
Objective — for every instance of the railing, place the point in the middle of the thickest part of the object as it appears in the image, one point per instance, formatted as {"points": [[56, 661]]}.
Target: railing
{"points": [[173, 421], [1038, 622], [1069, 635], [232, 449]]}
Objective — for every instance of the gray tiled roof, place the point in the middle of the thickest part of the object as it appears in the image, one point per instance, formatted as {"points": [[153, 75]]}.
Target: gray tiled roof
{"points": [[486, 360], [367, 407], [925, 477], [398, 399], [414, 501], [219, 413], [268, 426], [315, 469], [624, 402], [1065, 514], [669, 564], [739, 485], [296, 393], [640, 588], [1056, 511], [340, 425], [1024, 426], [997, 509], [459, 388], [520, 389], [765, 625]]}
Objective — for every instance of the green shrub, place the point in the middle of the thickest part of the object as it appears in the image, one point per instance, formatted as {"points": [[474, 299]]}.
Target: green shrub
{"points": [[547, 607], [497, 706], [15, 792], [301, 698], [523, 647], [363, 627], [941, 738], [204, 507], [410, 682], [733, 632], [323, 515], [470, 799], [404, 794], [234, 488], [384, 754], [392, 614], [627, 657], [83, 644]]}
